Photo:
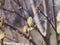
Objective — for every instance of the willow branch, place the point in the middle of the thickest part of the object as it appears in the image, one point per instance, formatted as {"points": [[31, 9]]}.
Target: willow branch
{"points": [[15, 28], [15, 13], [48, 21]]}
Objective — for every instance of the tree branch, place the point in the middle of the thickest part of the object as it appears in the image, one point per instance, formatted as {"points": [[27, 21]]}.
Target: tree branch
{"points": [[15, 28], [48, 21], [15, 13]]}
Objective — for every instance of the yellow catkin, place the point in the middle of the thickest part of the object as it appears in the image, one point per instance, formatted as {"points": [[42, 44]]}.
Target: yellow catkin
{"points": [[2, 35], [30, 21], [58, 22], [1, 21]]}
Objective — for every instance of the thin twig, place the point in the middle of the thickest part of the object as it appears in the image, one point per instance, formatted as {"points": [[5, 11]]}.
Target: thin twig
{"points": [[48, 20]]}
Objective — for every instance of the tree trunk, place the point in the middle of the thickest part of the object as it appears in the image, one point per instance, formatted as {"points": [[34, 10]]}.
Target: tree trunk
{"points": [[47, 39]]}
